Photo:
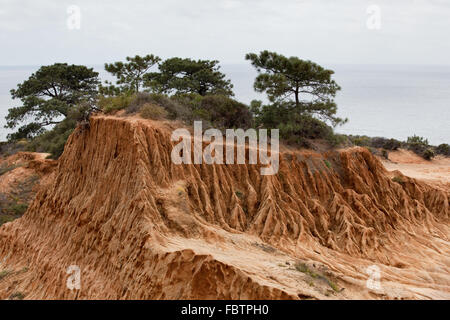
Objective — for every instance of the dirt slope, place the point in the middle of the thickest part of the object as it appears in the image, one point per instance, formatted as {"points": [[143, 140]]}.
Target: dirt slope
{"points": [[21, 166], [21, 175], [436, 171], [141, 227]]}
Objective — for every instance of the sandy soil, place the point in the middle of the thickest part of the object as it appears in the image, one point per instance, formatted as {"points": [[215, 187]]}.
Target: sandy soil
{"points": [[436, 172]]}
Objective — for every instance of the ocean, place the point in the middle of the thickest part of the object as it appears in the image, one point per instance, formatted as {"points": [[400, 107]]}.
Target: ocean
{"points": [[393, 101]]}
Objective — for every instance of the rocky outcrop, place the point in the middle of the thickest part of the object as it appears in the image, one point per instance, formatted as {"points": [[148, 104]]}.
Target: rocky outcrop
{"points": [[142, 227]]}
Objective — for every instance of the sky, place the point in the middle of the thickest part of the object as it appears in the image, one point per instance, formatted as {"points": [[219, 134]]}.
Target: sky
{"points": [[38, 32]]}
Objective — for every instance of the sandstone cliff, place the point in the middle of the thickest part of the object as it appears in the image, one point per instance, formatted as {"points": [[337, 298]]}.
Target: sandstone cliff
{"points": [[141, 227]]}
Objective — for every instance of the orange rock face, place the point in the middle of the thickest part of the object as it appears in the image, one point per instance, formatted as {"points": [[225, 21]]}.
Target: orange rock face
{"points": [[140, 227]]}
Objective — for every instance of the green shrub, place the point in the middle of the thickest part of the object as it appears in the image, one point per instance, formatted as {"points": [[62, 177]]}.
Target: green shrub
{"points": [[428, 154], [337, 139], [443, 149], [110, 104], [216, 110], [174, 108], [138, 100], [200, 114], [8, 148], [298, 131], [361, 141], [53, 141], [191, 101], [419, 145], [417, 140], [388, 144], [296, 126], [239, 194], [376, 142], [151, 111], [291, 135], [392, 144], [224, 112]]}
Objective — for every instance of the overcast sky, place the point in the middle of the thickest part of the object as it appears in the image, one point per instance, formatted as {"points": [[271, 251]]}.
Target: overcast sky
{"points": [[35, 32]]}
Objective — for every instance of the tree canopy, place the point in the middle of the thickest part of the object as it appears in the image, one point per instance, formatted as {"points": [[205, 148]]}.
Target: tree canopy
{"points": [[129, 74], [303, 84], [47, 97], [178, 75], [301, 95]]}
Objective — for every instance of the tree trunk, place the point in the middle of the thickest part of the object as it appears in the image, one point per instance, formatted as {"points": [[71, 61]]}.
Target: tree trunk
{"points": [[297, 101]]}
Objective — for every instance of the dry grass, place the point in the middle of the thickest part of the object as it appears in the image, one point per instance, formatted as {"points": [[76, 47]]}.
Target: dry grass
{"points": [[302, 267]]}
